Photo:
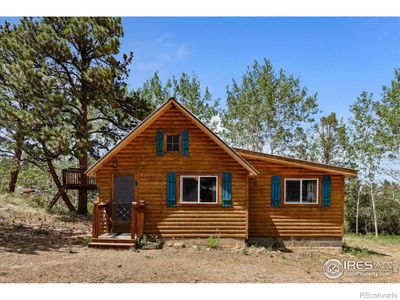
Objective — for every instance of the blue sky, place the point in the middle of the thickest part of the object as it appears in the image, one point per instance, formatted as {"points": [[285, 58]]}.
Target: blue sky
{"points": [[335, 57]]}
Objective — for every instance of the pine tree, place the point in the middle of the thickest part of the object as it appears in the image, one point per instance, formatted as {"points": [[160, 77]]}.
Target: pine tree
{"points": [[29, 106], [13, 100], [81, 56], [185, 89], [75, 88]]}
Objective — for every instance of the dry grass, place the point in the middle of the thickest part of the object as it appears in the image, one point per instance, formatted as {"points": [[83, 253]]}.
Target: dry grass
{"points": [[36, 246]]}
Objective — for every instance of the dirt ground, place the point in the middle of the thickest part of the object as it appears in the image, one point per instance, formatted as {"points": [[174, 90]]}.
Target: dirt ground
{"points": [[36, 246]]}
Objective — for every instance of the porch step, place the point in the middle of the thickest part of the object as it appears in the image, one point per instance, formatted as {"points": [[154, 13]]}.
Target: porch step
{"points": [[108, 245], [111, 241]]}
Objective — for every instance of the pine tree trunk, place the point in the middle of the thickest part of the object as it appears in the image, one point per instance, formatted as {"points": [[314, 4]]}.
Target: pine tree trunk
{"points": [[82, 205], [15, 165], [373, 209], [83, 159], [358, 207]]}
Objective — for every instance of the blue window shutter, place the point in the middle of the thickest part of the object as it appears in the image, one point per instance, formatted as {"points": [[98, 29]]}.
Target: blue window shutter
{"points": [[226, 189], [326, 191], [171, 189], [185, 142], [276, 191], [159, 143]]}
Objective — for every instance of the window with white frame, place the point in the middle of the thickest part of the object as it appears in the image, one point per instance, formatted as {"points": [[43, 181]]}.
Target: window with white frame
{"points": [[199, 189], [301, 190]]}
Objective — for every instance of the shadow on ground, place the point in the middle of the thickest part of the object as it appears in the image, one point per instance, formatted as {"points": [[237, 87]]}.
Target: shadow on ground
{"points": [[27, 239], [363, 252]]}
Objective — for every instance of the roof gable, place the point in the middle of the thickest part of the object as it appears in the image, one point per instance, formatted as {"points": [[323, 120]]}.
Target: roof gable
{"points": [[151, 119]]}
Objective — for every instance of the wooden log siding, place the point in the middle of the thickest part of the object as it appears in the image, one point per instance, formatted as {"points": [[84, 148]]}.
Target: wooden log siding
{"points": [[205, 157], [293, 220]]}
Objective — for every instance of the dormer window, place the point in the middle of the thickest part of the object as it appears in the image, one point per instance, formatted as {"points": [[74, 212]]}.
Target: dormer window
{"points": [[172, 142]]}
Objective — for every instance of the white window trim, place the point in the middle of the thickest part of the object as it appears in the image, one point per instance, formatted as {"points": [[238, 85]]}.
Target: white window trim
{"points": [[301, 190], [198, 189]]}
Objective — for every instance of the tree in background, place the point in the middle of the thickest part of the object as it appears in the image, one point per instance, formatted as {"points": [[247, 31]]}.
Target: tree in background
{"points": [[329, 140], [374, 145], [185, 89], [13, 98], [388, 113], [30, 106], [365, 151], [72, 83], [81, 56], [154, 92], [266, 110]]}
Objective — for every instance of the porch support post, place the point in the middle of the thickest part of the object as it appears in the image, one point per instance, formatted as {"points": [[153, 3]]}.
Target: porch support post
{"points": [[95, 220], [142, 204], [133, 221]]}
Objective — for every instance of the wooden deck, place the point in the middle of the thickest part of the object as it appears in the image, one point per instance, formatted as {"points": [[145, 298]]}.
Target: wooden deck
{"points": [[113, 240], [115, 236], [72, 179]]}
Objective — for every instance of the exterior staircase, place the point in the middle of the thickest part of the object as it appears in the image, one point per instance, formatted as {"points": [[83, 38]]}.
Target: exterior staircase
{"points": [[113, 241]]}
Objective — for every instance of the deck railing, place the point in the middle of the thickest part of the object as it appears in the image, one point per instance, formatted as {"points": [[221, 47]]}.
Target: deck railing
{"points": [[73, 176]]}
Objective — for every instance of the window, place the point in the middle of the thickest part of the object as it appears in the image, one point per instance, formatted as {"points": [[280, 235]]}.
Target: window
{"points": [[173, 143], [301, 190], [199, 189]]}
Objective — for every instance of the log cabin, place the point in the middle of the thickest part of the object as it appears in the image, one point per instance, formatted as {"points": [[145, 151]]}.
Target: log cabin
{"points": [[174, 178]]}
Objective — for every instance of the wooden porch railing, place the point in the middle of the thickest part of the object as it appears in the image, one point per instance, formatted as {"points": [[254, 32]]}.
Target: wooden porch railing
{"points": [[137, 220], [101, 218]]}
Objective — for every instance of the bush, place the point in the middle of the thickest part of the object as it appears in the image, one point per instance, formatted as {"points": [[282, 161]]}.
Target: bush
{"points": [[40, 202], [213, 242], [359, 252]]}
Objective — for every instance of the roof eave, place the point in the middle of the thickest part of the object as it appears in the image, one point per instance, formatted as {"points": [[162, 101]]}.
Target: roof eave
{"points": [[296, 162]]}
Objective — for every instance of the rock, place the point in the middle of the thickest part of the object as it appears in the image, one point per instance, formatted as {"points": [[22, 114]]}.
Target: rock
{"points": [[261, 250], [153, 245], [194, 247], [28, 190], [179, 245], [119, 266]]}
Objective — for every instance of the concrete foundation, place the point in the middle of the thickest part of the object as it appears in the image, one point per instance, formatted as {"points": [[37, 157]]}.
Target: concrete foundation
{"points": [[228, 243], [290, 242]]}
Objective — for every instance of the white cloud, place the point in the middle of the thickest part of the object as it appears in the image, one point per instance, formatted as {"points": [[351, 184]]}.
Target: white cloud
{"points": [[182, 51], [147, 66], [163, 38], [160, 51]]}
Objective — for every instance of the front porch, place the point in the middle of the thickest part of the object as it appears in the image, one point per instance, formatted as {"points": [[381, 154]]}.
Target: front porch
{"points": [[104, 221]]}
